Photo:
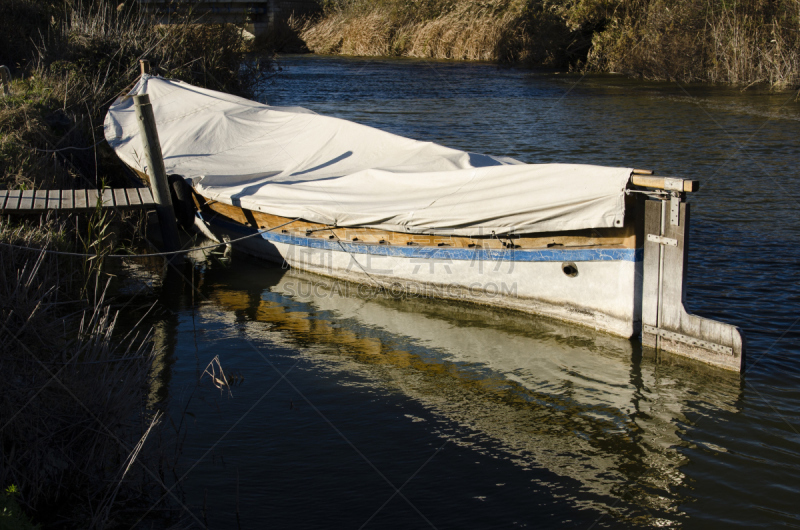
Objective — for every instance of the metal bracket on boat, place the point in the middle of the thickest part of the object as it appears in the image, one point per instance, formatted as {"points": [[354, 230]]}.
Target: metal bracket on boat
{"points": [[687, 340], [675, 208], [661, 240]]}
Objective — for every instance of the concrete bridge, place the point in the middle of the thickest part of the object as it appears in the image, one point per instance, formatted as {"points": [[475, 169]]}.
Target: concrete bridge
{"points": [[256, 16]]}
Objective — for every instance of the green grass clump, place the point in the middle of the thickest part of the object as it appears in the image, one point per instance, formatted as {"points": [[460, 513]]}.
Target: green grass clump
{"points": [[12, 517]]}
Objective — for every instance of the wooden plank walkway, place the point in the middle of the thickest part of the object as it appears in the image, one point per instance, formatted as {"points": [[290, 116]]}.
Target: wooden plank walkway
{"points": [[30, 201]]}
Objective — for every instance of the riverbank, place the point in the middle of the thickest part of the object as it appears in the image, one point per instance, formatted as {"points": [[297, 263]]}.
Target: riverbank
{"points": [[75, 407], [741, 43]]}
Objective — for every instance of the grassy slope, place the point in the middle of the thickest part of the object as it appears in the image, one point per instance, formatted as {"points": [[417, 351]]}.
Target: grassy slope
{"points": [[70, 61], [73, 63], [731, 41]]}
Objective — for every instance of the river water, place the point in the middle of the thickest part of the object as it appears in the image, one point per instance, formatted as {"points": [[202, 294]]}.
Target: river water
{"points": [[353, 410]]}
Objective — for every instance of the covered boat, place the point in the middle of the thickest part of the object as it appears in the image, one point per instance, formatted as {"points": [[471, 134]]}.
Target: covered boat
{"points": [[596, 246]]}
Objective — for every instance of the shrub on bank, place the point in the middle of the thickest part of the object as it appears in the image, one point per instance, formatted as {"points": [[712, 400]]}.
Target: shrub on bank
{"points": [[76, 62], [744, 42]]}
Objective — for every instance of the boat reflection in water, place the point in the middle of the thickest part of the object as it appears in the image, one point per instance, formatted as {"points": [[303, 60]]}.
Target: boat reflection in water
{"points": [[584, 405]]}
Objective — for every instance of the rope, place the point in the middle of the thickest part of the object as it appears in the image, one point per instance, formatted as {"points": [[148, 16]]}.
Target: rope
{"points": [[153, 255], [377, 283]]}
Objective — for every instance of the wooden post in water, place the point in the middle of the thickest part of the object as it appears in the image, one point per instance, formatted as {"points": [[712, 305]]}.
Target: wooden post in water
{"points": [[156, 172]]}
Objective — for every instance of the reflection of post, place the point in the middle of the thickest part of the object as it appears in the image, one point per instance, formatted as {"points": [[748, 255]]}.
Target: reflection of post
{"points": [[5, 78], [157, 173], [174, 285], [164, 343]]}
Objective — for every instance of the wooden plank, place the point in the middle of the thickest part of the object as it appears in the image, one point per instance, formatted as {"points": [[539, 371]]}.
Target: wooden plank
{"points": [[12, 203], [26, 201], [81, 200], [66, 199], [133, 197], [108, 198], [54, 199], [623, 237], [40, 200], [3, 197], [661, 183], [147, 197], [91, 199], [120, 198]]}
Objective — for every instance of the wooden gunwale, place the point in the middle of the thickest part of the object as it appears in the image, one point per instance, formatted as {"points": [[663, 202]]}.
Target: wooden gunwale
{"points": [[613, 238]]}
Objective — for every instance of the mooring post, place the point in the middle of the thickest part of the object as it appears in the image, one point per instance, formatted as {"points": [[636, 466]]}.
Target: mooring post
{"points": [[5, 76], [144, 66], [156, 172]]}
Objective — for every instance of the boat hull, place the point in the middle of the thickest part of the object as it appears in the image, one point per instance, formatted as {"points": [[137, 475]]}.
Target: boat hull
{"points": [[591, 287]]}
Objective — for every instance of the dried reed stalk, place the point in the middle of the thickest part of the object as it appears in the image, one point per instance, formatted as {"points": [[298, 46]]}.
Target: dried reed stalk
{"points": [[72, 402], [742, 43]]}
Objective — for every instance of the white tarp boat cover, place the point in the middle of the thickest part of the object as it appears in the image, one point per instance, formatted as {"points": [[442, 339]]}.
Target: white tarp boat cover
{"points": [[294, 163]]}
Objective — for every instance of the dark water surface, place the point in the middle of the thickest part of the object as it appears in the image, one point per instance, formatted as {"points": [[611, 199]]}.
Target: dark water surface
{"points": [[358, 410]]}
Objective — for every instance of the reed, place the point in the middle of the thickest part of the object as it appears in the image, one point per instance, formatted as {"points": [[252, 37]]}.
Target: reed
{"points": [[742, 43], [485, 31], [72, 402]]}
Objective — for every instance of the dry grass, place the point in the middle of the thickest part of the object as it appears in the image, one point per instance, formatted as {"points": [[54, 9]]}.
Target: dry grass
{"points": [[742, 43], [476, 31], [75, 67], [742, 52]]}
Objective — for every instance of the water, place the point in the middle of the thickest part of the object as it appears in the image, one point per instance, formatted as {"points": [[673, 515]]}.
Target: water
{"points": [[484, 419]]}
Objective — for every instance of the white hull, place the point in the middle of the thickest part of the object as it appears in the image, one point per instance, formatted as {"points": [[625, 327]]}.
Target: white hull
{"points": [[602, 295]]}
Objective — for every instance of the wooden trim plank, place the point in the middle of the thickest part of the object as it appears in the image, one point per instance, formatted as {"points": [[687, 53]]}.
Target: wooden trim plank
{"points": [[66, 199], [91, 199], [40, 200], [3, 197], [81, 200], [120, 199], [12, 203], [664, 183], [26, 201], [108, 197], [54, 199], [623, 237], [133, 197], [147, 197]]}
